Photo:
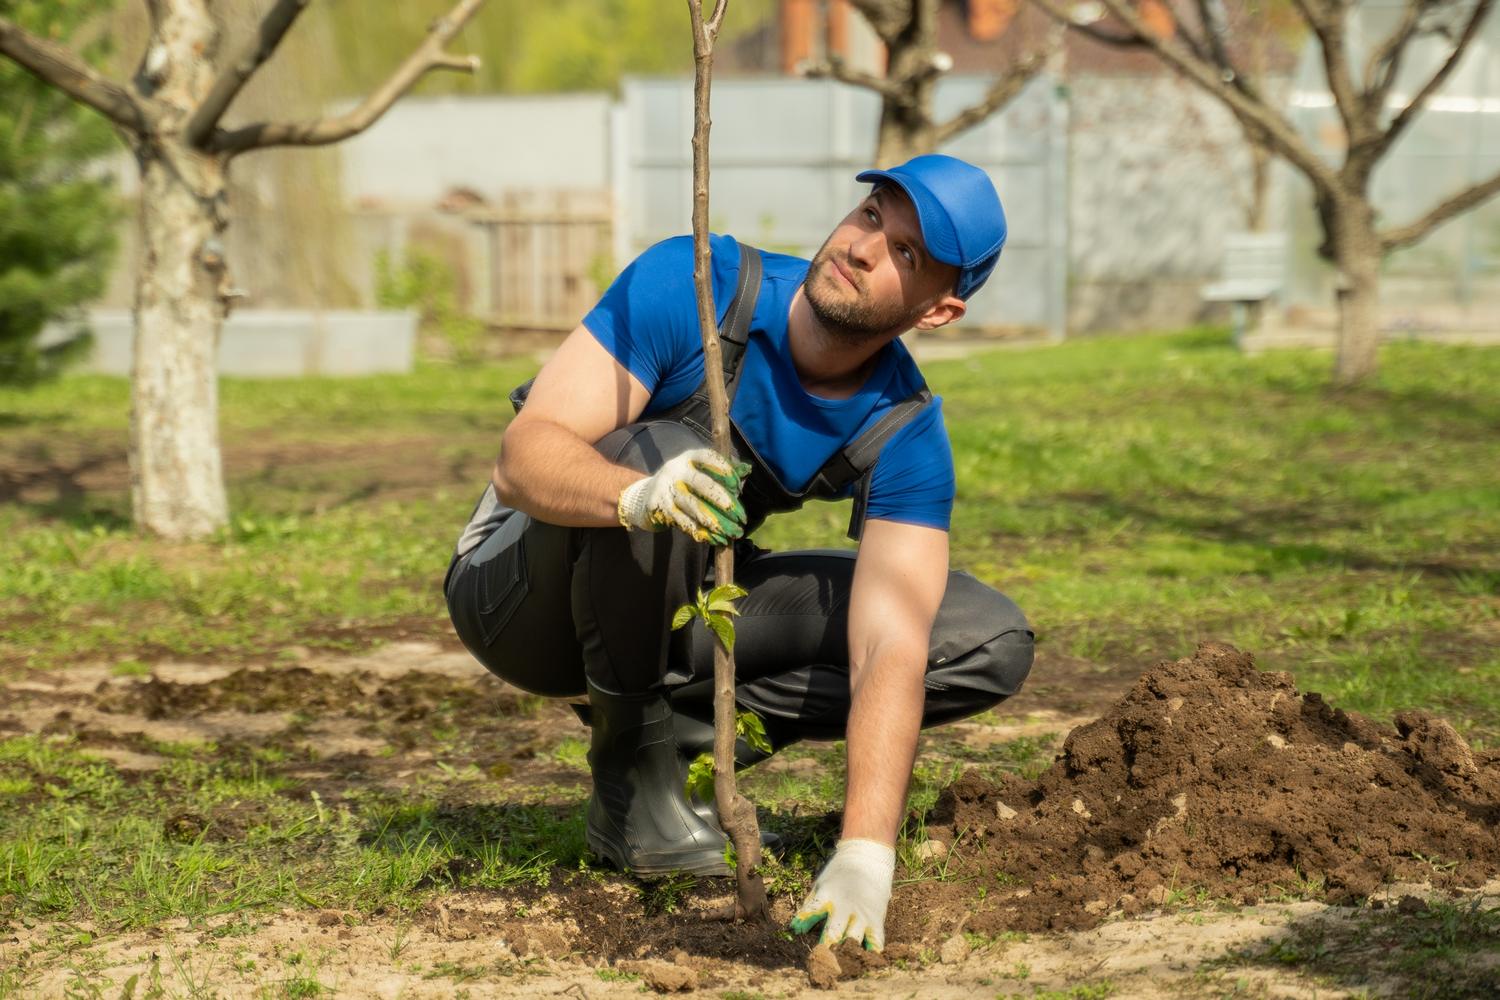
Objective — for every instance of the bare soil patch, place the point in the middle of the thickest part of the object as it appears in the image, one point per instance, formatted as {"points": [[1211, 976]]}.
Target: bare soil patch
{"points": [[1211, 779], [1210, 815]]}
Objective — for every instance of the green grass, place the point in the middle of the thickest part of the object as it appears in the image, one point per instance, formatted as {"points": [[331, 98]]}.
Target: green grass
{"points": [[217, 835], [1134, 495]]}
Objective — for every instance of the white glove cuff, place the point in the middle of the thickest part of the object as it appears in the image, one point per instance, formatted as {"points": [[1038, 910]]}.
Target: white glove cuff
{"points": [[631, 509], [877, 856]]}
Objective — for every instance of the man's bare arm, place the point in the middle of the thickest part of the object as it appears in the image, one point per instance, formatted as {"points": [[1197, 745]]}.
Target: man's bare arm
{"points": [[899, 580], [547, 465]]}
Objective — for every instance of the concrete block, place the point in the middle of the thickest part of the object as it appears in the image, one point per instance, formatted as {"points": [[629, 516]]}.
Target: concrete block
{"points": [[277, 343]]}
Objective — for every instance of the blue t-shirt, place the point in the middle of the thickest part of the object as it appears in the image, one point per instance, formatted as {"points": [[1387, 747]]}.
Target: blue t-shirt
{"points": [[648, 320]]}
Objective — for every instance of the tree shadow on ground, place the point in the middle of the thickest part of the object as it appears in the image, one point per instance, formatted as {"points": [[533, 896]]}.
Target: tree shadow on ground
{"points": [[1265, 526], [1438, 949], [55, 491]]}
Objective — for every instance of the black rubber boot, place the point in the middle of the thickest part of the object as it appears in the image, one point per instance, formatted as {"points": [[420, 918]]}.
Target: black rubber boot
{"points": [[695, 735], [639, 817]]}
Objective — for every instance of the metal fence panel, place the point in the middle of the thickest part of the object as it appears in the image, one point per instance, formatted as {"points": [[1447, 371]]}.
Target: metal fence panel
{"points": [[784, 155]]}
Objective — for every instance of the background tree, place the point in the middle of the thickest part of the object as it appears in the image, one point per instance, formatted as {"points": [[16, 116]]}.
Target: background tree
{"points": [[170, 113], [1200, 43], [57, 219], [908, 126]]}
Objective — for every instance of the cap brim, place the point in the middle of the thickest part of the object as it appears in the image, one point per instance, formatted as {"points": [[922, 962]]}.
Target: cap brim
{"points": [[927, 208]]}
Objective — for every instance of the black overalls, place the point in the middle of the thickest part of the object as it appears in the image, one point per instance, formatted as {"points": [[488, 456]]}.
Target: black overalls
{"points": [[541, 606]]}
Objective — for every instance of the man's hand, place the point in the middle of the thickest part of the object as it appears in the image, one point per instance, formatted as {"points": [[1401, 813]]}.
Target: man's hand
{"points": [[698, 492], [852, 893]]}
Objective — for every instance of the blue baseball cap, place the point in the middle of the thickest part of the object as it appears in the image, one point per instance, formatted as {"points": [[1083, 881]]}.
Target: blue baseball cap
{"points": [[962, 221]]}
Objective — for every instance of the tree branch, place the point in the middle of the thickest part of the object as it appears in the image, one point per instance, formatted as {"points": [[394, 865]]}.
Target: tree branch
{"points": [[1258, 117], [1405, 116], [1328, 23], [716, 19], [835, 68], [888, 17], [239, 70], [60, 68], [1385, 59], [1403, 236], [322, 131], [1001, 92]]}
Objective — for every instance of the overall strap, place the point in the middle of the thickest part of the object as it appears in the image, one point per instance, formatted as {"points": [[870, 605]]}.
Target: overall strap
{"points": [[734, 334], [856, 460]]}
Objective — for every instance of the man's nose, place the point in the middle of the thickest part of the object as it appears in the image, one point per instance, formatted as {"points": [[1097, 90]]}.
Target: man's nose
{"points": [[865, 250]]}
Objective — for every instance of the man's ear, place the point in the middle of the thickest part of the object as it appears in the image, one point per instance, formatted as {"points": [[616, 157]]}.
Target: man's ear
{"points": [[947, 309]]}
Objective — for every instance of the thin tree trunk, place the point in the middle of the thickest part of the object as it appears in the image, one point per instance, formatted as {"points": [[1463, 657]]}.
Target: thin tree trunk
{"points": [[1357, 251], [736, 813], [177, 478]]}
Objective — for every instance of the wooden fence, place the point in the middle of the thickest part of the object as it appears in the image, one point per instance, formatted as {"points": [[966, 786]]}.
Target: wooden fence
{"points": [[548, 258]]}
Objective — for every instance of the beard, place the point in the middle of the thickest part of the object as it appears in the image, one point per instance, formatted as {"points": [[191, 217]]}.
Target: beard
{"points": [[848, 313]]}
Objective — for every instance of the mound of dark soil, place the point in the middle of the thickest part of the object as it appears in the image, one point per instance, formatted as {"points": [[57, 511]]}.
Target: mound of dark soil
{"points": [[1212, 779]]}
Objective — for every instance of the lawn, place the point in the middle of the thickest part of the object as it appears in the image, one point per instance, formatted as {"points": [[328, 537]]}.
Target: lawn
{"points": [[168, 756], [1134, 495]]}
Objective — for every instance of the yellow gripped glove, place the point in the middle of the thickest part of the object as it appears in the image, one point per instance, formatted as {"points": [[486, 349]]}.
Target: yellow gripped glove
{"points": [[697, 492], [851, 894]]}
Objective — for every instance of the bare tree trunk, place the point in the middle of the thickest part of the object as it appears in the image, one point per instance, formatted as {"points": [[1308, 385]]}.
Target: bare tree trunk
{"points": [[902, 135], [1357, 251], [177, 479], [906, 125]]}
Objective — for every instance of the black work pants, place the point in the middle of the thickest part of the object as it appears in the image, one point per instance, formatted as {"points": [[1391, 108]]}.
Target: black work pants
{"points": [[546, 607]]}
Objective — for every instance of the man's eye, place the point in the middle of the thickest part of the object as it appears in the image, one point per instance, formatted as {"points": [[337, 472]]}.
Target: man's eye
{"points": [[911, 258], [870, 214]]}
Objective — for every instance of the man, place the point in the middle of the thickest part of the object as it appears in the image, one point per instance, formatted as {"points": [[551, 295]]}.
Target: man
{"points": [[596, 525]]}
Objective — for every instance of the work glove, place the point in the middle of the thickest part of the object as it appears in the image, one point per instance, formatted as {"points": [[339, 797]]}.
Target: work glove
{"points": [[852, 893], [697, 492]]}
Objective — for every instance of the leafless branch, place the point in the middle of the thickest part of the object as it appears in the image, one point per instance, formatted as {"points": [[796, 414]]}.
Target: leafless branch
{"points": [[1406, 114], [1210, 15], [1404, 236], [1328, 22], [1257, 116], [1097, 34], [836, 68], [889, 18], [57, 66], [1385, 59], [273, 28], [711, 26], [322, 131], [1005, 87]]}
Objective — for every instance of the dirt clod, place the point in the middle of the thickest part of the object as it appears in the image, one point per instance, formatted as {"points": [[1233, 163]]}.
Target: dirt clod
{"points": [[664, 977], [954, 950], [1172, 796], [823, 968]]}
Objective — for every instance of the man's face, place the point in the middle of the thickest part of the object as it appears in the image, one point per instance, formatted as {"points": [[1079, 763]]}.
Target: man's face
{"points": [[873, 276]]}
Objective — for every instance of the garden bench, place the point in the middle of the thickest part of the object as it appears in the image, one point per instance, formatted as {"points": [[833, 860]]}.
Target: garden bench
{"points": [[1254, 271]]}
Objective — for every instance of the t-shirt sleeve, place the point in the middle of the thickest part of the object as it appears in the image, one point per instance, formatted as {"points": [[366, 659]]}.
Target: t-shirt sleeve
{"points": [[648, 318], [914, 482]]}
